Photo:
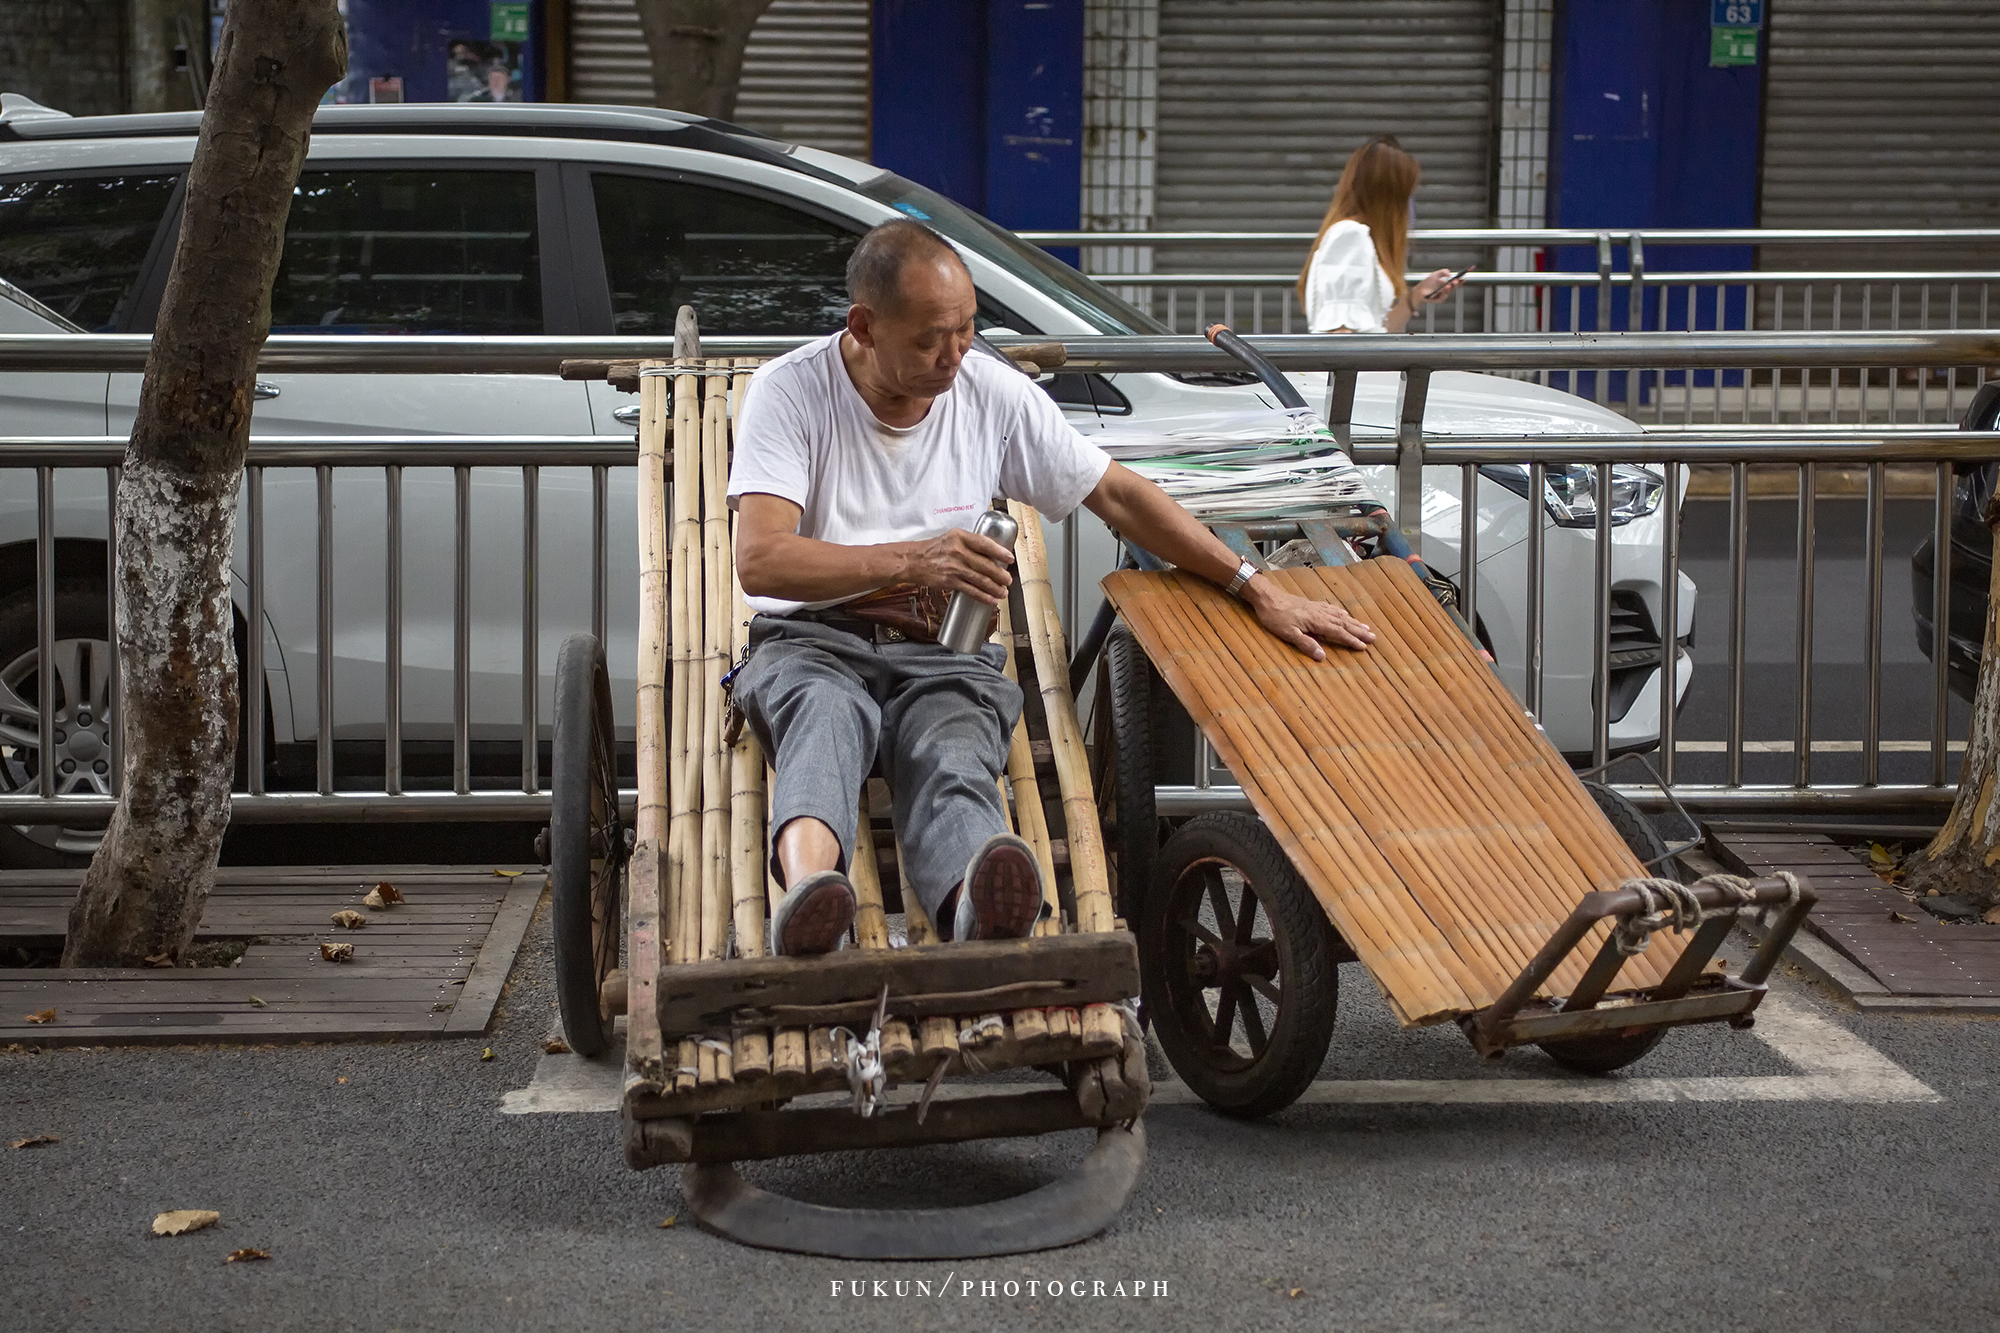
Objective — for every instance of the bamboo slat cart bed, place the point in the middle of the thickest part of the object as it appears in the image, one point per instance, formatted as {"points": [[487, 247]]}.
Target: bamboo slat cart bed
{"points": [[720, 1035]]}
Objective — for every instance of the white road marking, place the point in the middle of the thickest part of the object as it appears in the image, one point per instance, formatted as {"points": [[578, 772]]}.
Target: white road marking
{"points": [[1834, 1066]]}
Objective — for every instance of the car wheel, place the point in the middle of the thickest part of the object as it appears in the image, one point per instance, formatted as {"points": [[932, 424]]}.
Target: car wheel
{"points": [[81, 750]]}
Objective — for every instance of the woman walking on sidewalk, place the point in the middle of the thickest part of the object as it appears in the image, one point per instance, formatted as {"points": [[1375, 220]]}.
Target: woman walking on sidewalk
{"points": [[1353, 279]]}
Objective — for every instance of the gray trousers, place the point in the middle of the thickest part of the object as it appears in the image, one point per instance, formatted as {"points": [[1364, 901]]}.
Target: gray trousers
{"points": [[826, 704]]}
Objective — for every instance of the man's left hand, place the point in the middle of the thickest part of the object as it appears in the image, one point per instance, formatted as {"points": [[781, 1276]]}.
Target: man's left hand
{"points": [[1304, 623]]}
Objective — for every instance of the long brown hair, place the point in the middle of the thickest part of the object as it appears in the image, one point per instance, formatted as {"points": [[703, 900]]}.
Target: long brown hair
{"points": [[1375, 188]]}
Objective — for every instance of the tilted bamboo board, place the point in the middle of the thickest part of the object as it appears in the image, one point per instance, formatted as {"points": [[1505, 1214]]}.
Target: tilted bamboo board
{"points": [[1442, 832]]}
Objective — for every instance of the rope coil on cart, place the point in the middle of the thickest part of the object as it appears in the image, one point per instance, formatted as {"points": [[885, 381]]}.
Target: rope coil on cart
{"points": [[1669, 903]]}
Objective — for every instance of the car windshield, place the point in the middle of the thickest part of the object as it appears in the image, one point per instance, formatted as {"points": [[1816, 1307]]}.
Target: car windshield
{"points": [[1094, 304]]}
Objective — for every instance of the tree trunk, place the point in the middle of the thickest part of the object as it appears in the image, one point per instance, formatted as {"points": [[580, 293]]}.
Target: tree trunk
{"points": [[1962, 857], [177, 493], [697, 49]]}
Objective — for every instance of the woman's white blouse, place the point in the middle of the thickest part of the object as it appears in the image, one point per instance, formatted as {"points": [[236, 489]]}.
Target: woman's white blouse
{"points": [[1346, 287]]}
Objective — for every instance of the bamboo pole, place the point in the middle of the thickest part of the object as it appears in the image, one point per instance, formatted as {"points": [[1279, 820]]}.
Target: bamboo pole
{"points": [[1031, 821], [1094, 909], [746, 807], [871, 922], [718, 603], [683, 841], [654, 625], [1088, 877]]}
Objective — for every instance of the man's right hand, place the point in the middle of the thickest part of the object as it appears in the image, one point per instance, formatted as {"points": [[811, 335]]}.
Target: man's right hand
{"points": [[962, 561]]}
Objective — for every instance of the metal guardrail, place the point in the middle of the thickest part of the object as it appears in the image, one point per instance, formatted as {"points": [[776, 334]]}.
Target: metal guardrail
{"points": [[1344, 356], [1512, 291]]}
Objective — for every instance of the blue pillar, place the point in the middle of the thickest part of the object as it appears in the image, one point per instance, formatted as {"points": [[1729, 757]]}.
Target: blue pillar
{"points": [[927, 108], [1034, 115], [982, 101], [1648, 134]]}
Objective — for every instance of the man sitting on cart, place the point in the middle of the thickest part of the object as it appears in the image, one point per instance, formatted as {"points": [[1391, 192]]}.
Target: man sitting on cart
{"points": [[863, 460]]}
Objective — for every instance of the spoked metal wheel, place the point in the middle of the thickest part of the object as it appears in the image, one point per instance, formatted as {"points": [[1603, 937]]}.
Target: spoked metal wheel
{"points": [[1239, 966], [586, 843], [79, 750]]}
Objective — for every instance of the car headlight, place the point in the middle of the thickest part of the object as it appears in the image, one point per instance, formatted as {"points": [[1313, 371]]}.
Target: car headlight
{"points": [[1569, 491]]}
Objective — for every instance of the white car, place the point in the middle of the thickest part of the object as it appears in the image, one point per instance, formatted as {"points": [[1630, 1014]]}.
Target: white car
{"points": [[519, 219]]}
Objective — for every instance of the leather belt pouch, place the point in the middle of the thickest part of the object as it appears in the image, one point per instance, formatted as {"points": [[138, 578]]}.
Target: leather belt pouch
{"points": [[914, 610]]}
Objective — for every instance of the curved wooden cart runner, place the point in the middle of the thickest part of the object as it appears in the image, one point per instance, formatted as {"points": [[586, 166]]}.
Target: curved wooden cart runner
{"points": [[1456, 854], [721, 1035]]}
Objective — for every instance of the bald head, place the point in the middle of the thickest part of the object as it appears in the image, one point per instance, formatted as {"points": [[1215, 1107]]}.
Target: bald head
{"points": [[876, 269]]}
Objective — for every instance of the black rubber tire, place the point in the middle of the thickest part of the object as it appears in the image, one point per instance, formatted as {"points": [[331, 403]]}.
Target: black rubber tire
{"points": [[1603, 1054], [586, 843], [1634, 828], [1132, 683], [1300, 954]]}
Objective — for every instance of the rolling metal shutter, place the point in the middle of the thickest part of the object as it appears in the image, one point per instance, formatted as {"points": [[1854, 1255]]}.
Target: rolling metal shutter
{"points": [[805, 76], [1261, 101], [1880, 115]]}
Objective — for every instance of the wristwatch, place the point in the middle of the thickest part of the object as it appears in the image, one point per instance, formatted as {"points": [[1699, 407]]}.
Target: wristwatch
{"points": [[1244, 572]]}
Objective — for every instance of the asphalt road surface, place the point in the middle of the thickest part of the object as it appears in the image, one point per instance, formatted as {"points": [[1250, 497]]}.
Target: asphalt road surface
{"points": [[1839, 679], [1825, 1172]]}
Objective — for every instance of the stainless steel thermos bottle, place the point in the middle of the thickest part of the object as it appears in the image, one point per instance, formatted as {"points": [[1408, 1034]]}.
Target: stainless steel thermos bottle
{"points": [[967, 620]]}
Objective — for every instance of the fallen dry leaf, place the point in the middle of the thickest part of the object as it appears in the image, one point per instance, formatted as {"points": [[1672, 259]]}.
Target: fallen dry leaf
{"points": [[1905, 920], [336, 953], [1883, 856], [1296, 1292], [238, 1256], [341, 1079], [35, 1141], [159, 960], [183, 1220], [555, 1046], [670, 1220], [349, 918], [486, 1054], [256, 1003], [45, 1016], [510, 874], [1991, 916], [382, 895]]}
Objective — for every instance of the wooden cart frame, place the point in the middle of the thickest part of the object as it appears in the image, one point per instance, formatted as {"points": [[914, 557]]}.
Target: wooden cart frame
{"points": [[727, 1048]]}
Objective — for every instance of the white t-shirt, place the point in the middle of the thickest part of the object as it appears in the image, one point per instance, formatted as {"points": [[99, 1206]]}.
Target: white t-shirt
{"points": [[806, 435], [1345, 285]]}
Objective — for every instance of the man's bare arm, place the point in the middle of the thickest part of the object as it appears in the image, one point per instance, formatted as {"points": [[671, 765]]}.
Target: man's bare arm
{"points": [[1143, 512], [773, 560]]}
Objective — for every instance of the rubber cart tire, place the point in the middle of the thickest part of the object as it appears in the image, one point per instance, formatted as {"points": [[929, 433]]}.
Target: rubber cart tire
{"points": [[1603, 1054], [1134, 722], [586, 843], [1228, 869]]}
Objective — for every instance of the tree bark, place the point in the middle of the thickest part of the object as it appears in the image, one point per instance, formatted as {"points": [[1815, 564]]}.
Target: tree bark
{"points": [[697, 49], [176, 513], [1962, 857]]}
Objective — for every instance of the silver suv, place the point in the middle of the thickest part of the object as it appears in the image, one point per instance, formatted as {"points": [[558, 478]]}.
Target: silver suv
{"points": [[521, 219]]}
